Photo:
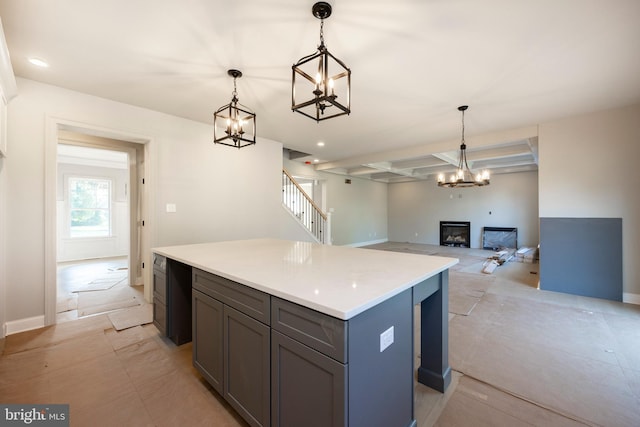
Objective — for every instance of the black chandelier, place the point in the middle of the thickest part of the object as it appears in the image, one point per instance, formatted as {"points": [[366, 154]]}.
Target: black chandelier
{"points": [[323, 76], [463, 176], [234, 124]]}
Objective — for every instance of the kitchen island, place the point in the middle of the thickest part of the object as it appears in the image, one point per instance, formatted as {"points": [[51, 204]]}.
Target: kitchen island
{"points": [[298, 333]]}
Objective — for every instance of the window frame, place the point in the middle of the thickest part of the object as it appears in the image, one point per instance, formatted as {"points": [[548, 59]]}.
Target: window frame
{"points": [[69, 208]]}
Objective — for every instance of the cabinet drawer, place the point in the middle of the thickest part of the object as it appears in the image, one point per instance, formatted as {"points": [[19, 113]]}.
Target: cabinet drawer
{"points": [[159, 263], [319, 331], [246, 300], [160, 316], [160, 286]]}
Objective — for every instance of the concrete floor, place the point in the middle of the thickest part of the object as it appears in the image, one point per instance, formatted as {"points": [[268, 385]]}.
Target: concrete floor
{"points": [[520, 357]]}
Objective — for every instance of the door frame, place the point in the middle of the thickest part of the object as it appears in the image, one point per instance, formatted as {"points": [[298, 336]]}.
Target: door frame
{"points": [[53, 126]]}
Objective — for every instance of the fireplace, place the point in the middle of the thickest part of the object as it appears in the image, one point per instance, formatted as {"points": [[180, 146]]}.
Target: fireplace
{"points": [[455, 233]]}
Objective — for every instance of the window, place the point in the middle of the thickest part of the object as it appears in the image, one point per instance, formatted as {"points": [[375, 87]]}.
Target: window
{"points": [[90, 207]]}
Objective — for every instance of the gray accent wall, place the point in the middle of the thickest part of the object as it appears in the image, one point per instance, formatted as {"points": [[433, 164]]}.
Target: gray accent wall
{"points": [[582, 256]]}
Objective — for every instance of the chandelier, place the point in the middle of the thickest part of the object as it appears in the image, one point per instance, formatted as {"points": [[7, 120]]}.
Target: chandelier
{"points": [[321, 79], [463, 176], [234, 124]]}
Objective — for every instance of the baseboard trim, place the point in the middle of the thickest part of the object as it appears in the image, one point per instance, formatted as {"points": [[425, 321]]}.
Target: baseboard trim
{"points": [[370, 242], [631, 298], [22, 325]]}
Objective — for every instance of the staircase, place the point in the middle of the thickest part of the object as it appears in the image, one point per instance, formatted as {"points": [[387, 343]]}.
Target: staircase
{"points": [[308, 214]]}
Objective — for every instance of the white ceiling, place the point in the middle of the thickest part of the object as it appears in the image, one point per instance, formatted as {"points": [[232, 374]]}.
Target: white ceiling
{"points": [[413, 62]]}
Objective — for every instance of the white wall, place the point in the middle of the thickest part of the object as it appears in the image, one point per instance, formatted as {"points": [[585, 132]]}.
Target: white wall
{"points": [[359, 209], [220, 193], [589, 169], [511, 200]]}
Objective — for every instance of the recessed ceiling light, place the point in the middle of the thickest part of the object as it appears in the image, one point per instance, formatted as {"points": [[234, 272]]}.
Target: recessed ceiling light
{"points": [[320, 144], [39, 62], [315, 160]]}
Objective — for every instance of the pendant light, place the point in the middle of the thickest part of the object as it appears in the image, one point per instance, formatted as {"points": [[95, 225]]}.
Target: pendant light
{"points": [[321, 83], [234, 124], [463, 176]]}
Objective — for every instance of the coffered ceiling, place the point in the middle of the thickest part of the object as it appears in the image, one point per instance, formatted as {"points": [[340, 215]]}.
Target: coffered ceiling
{"points": [[516, 64]]}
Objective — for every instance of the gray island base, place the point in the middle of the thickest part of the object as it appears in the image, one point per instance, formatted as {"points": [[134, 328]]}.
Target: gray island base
{"points": [[299, 334]]}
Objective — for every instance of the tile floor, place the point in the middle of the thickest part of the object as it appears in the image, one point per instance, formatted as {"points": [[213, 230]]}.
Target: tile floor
{"points": [[520, 357]]}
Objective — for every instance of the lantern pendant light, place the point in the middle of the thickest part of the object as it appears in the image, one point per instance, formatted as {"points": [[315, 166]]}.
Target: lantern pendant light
{"points": [[321, 83], [234, 124]]}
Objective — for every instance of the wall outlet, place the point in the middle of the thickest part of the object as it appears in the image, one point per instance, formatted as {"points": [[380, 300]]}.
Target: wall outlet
{"points": [[386, 339], [171, 207]]}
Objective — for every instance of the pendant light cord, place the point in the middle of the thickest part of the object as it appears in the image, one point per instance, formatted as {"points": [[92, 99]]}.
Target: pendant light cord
{"points": [[463, 143]]}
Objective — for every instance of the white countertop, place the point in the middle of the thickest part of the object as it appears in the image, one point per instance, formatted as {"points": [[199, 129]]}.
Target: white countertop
{"points": [[340, 281]]}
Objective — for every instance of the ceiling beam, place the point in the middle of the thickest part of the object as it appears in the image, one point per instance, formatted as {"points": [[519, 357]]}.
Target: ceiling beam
{"points": [[484, 140]]}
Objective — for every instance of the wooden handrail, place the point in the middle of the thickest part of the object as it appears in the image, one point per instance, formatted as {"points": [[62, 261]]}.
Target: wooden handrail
{"points": [[306, 196]]}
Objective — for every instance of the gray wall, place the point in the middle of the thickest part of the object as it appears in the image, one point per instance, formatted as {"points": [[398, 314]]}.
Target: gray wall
{"points": [[416, 209]]}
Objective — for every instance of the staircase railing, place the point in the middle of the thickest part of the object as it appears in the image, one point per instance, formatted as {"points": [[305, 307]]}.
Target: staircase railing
{"points": [[305, 210]]}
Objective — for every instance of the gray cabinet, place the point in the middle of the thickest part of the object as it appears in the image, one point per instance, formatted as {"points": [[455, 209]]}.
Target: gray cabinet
{"points": [[307, 388], [160, 293], [246, 366], [232, 343], [327, 372], [207, 338], [280, 364], [172, 298], [308, 367]]}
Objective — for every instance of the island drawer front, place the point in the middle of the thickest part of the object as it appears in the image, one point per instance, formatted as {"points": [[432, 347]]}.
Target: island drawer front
{"points": [[249, 301], [159, 263], [319, 331], [160, 316], [160, 286]]}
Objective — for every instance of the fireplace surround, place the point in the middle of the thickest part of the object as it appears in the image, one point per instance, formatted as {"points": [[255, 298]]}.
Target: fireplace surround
{"points": [[455, 233]]}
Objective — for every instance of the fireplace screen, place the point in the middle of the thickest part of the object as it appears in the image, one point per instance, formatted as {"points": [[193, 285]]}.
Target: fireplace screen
{"points": [[455, 233], [498, 238]]}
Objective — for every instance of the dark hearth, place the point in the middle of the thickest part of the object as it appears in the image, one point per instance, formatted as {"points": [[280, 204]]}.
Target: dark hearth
{"points": [[455, 233]]}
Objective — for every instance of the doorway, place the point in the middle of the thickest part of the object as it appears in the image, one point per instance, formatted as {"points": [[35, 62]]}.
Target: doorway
{"points": [[96, 205], [95, 202]]}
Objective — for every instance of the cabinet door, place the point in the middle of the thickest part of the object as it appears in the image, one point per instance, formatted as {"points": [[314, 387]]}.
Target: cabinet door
{"points": [[307, 387], [207, 338], [247, 369]]}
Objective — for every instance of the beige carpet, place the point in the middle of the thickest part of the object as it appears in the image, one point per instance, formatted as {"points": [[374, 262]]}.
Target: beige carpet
{"points": [[130, 317]]}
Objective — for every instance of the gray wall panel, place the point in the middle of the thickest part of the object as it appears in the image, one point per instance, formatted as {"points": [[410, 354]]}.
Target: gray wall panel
{"points": [[582, 256]]}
